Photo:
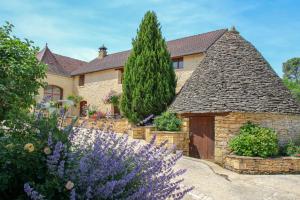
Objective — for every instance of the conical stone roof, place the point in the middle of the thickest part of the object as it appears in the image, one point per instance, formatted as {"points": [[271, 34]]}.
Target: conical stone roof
{"points": [[234, 77]]}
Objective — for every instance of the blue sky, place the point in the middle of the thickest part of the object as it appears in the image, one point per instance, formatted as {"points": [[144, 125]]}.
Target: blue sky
{"points": [[77, 28]]}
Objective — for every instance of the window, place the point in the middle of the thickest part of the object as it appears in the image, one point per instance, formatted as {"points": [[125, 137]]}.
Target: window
{"points": [[81, 80], [178, 63], [55, 93], [120, 76]]}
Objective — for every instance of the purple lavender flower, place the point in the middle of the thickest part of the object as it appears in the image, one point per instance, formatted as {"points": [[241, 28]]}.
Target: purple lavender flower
{"points": [[31, 193], [113, 167], [61, 169], [50, 142], [73, 195], [53, 160]]}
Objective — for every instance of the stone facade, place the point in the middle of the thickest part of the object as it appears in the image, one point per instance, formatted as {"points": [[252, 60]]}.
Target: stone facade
{"points": [[256, 165], [190, 62], [227, 126], [98, 84], [64, 82]]}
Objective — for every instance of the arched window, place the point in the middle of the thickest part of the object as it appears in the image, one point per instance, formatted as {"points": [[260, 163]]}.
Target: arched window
{"points": [[55, 93]]}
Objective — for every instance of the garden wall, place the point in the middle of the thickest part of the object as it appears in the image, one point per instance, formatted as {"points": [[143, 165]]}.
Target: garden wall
{"points": [[256, 165], [179, 139], [287, 127], [118, 125]]}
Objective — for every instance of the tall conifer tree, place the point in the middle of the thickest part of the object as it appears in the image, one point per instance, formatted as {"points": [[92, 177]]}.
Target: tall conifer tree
{"points": [[149, 82]]}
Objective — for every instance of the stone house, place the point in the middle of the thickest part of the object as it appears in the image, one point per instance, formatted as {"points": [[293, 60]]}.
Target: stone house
{"points": [[232, 85], [94, 80], [223, 82]]}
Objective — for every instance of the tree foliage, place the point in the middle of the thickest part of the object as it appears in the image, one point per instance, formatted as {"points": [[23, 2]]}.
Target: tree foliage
{"points": [[291, 69], [293, 87], [149, 79], [21, 75], [291, 76]]}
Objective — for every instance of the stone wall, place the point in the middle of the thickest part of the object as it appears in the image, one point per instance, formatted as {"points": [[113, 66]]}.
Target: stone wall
{"points": [[287, 127], [117, 125], [256, 165], [190, 62], [179, 139], [97, 85], [137, 132]]}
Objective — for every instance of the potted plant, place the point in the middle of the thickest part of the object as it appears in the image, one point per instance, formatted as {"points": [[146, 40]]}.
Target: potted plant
{"points": [[167, 122], [113, 98], [92, 111]]}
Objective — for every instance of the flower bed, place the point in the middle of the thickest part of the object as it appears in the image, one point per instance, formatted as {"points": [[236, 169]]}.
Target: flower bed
{"points": [[179, 139], [257, 165]]}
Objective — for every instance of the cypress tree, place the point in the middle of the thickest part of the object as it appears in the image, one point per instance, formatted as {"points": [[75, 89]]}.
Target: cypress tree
{"points": [[149, 82]]}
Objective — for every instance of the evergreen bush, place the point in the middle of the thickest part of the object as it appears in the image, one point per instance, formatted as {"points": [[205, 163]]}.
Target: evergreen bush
{"points": [[149, 79]]}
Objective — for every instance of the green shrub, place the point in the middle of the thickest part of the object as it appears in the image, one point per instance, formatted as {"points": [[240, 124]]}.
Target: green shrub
{"points": [[23, 155], [75, 98], [167, 122], [21, 74], [291, 149], [254, 140]]}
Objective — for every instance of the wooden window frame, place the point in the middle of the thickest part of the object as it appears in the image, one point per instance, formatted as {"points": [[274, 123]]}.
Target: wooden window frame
{"points": [[81, 80], [177, 61], [52, 94]]}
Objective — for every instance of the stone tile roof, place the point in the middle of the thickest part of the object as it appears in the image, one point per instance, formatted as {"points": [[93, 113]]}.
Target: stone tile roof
{"points": [[69, 64], [234, 77], [58, 64], [180, 47]]}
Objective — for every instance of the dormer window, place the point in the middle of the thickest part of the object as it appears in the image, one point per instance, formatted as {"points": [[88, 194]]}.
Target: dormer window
{"points": [[81, 80], [177, 63]]}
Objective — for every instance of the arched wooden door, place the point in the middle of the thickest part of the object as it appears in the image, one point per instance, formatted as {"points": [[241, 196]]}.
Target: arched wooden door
{"points": [[83, 109]]}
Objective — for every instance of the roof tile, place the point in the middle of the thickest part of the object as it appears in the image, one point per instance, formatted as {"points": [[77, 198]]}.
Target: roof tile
{"points": [[179, 47], [234, 77]]}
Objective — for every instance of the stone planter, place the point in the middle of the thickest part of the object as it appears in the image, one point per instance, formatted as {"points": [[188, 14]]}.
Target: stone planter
{"points": [[179, 139], [257, 165], [139, 132]]}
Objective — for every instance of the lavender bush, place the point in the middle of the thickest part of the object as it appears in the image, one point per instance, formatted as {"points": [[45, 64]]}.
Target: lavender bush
{"points": [[77, 163], [112, 167]]}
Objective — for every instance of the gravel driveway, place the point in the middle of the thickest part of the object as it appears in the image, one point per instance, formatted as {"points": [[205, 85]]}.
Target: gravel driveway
{"points": [[212, 182]]}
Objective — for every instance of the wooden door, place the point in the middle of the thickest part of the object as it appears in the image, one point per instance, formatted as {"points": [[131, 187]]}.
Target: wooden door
{"points": [[202, 137], [83, 109]]}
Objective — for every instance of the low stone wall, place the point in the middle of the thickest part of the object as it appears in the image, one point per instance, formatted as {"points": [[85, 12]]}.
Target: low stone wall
{"points": [[118, 125], [227, 126], [137, 132], [179, 139], [257, 165]]}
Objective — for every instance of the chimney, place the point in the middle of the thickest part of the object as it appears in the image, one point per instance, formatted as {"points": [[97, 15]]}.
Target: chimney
{"points": [[233, 30], [102, 52]]}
